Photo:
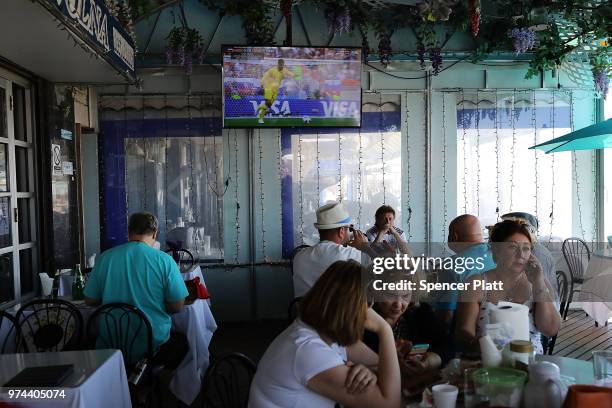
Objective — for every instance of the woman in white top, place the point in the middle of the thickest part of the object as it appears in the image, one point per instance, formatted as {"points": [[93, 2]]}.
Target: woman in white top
{"points": [[523, 282], [320, 360]]}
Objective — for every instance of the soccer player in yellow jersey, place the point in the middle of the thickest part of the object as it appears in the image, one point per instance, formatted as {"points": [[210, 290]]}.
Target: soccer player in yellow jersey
{"points": [[271, 82]]}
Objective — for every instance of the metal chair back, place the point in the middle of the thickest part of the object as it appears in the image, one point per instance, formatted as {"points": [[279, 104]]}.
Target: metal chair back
{"points": [[49, 325], [9, 333], [227, 381], [576, 251], [124, 327]]}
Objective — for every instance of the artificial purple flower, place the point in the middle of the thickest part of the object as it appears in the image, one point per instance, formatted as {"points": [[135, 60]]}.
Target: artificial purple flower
{"points": [[198, 55], [601, 81], [523, 39], [169, 55], [188, 64], [179, 52], [435, 57]]}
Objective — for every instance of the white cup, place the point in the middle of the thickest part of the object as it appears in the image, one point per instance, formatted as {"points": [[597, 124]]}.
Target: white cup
{"points": [[444, 395]]}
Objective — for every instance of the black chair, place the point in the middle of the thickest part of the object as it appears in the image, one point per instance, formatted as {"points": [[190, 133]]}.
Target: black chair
{"points": [[227, 381], [123, 327], [575, 251], [293, 309], [183, 257], [549, 343], [49, 325], [9, 333]]}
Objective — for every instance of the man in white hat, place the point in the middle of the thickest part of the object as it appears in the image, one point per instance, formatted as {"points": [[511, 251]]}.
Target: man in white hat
{"points": [[336, 244]]}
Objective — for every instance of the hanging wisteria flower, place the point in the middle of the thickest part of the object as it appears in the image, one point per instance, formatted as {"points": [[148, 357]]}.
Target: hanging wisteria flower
{"points": [[523, 39], [179, 52], [338, 20], [188, 64], [169, 55], [421, 54], [600, 77], [435, 57]]}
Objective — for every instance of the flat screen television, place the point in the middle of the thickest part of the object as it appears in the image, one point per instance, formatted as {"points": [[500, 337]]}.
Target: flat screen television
{"points": [[270, 87]]}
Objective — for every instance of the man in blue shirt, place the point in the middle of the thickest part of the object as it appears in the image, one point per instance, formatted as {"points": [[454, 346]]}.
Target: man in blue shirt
{"points": [[137, 274], [466, 240]]}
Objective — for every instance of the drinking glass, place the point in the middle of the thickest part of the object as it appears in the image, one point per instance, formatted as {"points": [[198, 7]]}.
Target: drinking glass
{"points": [[602, 367]]}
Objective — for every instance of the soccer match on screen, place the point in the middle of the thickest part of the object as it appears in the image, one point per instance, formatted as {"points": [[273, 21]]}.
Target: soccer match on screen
{"points": [[291, 86]]}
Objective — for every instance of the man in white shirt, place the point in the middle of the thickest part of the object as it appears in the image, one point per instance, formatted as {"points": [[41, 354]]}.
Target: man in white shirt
{"points": [[336, 244]]}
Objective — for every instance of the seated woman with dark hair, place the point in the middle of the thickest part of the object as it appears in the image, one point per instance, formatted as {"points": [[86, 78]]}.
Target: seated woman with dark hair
{"points": [[523, 282], [320, 360]]}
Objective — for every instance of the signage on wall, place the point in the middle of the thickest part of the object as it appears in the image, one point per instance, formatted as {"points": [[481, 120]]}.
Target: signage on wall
{"points": [[56, 160], [66, 134], [67, 169], [93, 19]]}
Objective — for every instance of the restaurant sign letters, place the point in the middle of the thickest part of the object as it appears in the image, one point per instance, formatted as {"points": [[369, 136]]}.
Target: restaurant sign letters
{"points": [[92, 17]]}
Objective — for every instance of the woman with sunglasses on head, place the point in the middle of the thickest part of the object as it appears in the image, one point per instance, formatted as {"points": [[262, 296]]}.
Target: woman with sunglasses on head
{"points": [[522, 281], [320, 359]]}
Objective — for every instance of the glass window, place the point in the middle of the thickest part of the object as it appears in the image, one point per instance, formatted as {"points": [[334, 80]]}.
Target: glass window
{"points": [[6, 239], [3, 110], [19, 112], [4, 175], [362, 168], [25, 219], [179, 179], [491, 137], [7, 289], [26, 271], [22, 169]]}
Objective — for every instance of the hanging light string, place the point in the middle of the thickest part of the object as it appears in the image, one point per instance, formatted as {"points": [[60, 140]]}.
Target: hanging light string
{"points": [[477, 153], [166, 204], [261, 197], [236, 200], [465, 148], [318, 173], [575, 171], [127, 142], [359, 180], [218, 206], [144, 157], [340, 167], [425, 148], [214, 188], [497, 169], [279, 159], [190, 141], [552, 171], [535, 151], [444, 180], [513, 119], [382, 146], [300, 192], [408, 183], [595, 229]]}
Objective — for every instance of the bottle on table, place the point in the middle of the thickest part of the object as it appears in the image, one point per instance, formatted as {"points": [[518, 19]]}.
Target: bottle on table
{"points": [[78, 286]]}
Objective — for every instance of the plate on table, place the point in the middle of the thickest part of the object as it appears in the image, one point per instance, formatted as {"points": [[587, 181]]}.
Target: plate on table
{"points": [[78, 302]]}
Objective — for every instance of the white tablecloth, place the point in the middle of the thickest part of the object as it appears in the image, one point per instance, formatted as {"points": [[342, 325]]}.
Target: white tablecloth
{"points": [[195, 272], [98, 381], [596, 292], [198, 324]]}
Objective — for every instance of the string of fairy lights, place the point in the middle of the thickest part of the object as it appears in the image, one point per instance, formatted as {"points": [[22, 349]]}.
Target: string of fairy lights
{"points": [[535, 151], [408, 164], [347, 143], [552, 171], [465, 149], [444, 179]]}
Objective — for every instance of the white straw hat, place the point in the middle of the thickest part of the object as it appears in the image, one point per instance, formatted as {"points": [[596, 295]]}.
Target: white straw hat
{"points": [[332, 215]]}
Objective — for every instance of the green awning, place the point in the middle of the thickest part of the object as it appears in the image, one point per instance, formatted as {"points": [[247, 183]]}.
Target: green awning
{"points": [[597, 136]]}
